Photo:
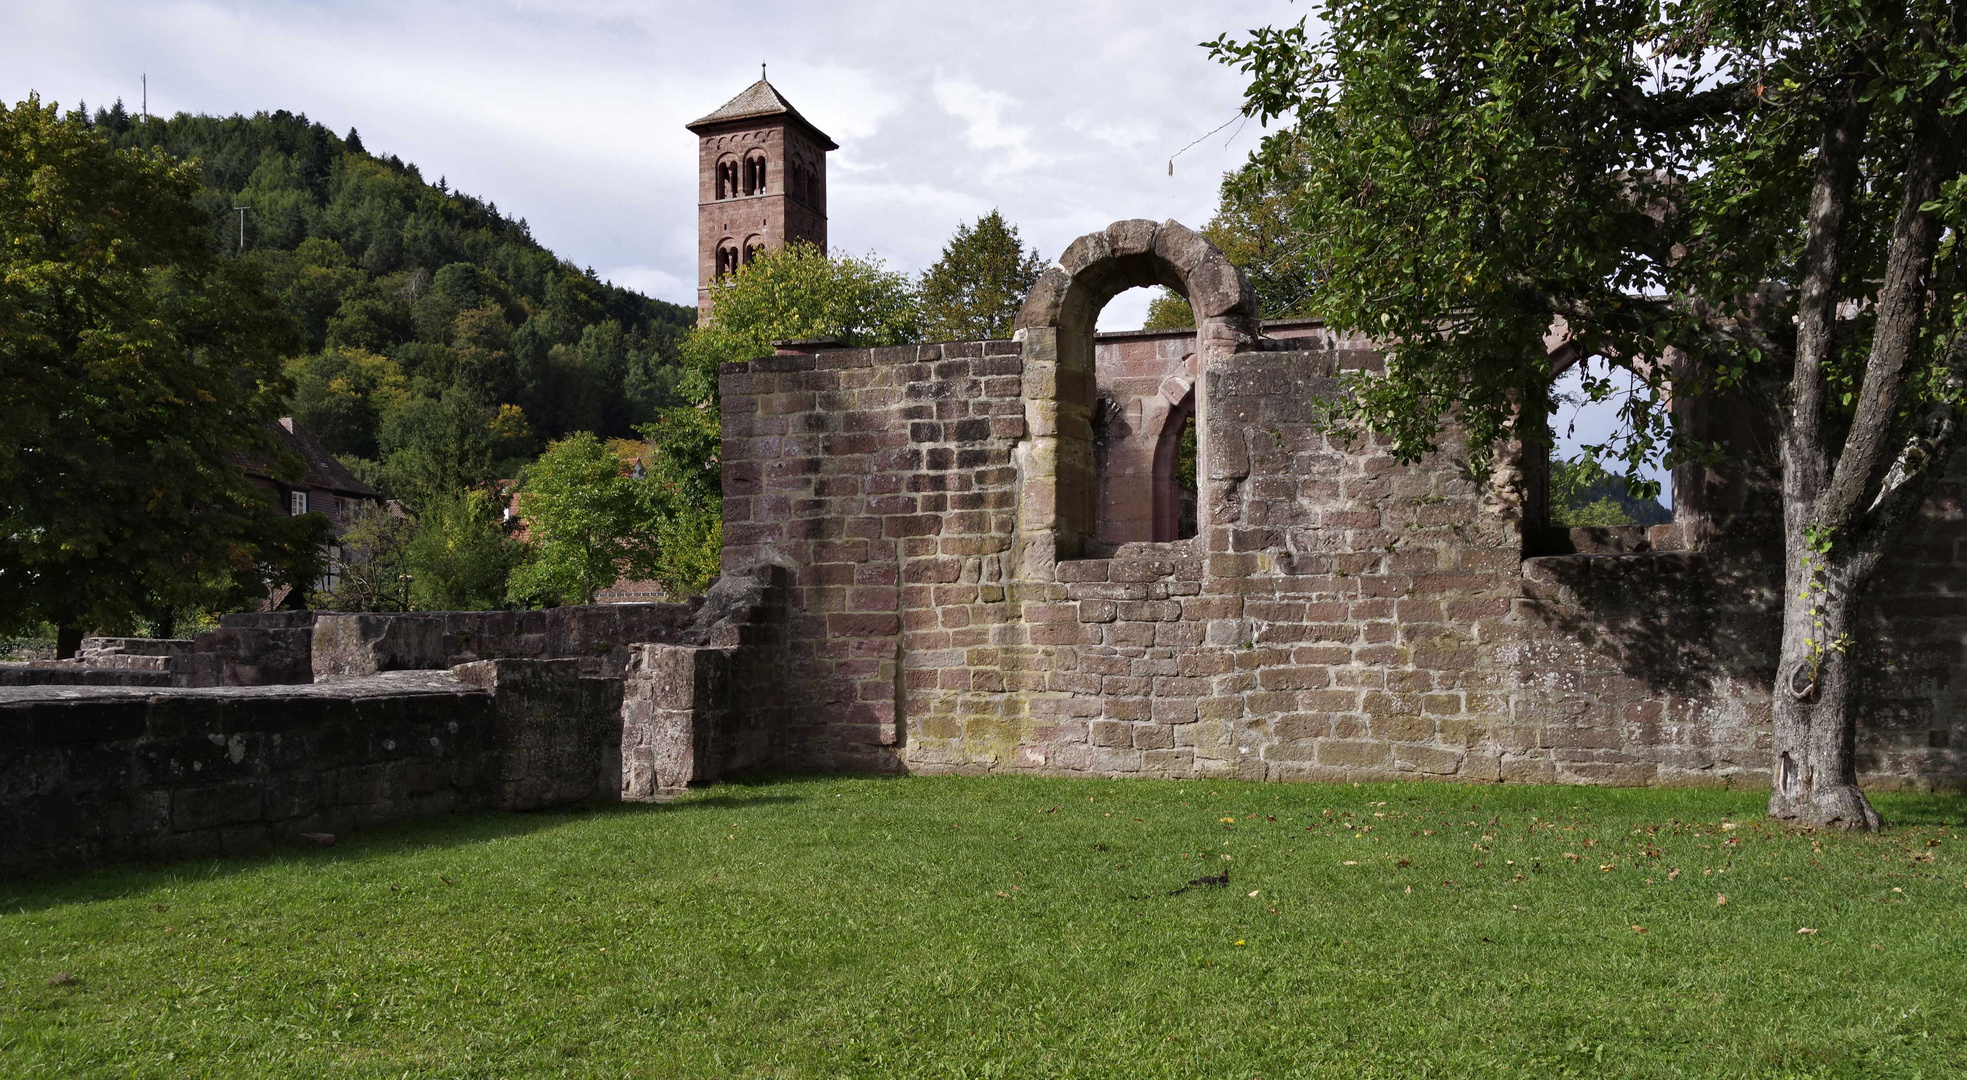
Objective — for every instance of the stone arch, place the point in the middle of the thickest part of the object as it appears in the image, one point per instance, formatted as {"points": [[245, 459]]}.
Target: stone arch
{"points": [[727, 176], [1058, 473]]}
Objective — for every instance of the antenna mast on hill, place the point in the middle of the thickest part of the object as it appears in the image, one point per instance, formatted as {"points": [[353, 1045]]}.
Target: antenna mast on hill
{"points": [[242, 227]]}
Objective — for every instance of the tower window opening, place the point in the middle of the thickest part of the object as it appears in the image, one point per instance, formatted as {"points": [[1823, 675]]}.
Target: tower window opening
{"points": [[727, 179], [753, 247], [727, 259], [754, 174]]}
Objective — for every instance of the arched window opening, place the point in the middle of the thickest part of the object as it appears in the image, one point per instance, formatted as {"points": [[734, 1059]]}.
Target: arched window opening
{"points": [[754, 173], [727, 258], [753, 248], [1175, 482], [727, 178], [1124, 403], [1144, 487]]}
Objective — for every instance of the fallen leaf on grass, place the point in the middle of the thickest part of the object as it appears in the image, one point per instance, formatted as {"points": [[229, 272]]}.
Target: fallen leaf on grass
{"points": [[1227, 820], [1571, 855], [1638, 929], [1720, 899], [64, 978], [1603, 867], [1254, 892], [1675, 874], [1003, 894], [1239, 942], [1349, 862], [1807, 930]]}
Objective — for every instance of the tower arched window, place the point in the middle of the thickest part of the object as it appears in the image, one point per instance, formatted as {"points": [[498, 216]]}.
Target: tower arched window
{"points": [[727, 178], [727, 258], [754, 246], [754, 173]]}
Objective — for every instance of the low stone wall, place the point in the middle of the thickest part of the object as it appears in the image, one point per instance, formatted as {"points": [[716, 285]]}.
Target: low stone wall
{"points": [[68, 673], [89, 774], [712, 705], [597, 635]]}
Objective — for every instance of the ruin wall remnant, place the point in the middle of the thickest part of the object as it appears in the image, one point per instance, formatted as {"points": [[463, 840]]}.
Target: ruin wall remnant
{"points": [[958, 600]]}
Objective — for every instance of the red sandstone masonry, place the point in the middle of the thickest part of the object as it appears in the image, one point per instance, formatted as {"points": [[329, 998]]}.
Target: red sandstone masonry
{"points": [[1342, 617]]}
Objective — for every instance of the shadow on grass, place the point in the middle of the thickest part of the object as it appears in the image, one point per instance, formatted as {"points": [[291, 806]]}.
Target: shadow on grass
{"points": [[57, 887]]}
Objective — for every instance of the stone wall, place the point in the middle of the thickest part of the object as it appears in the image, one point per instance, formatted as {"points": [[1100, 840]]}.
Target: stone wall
{"points": [[712, 705], [90, 774], [1340, 617], [599, 636]]}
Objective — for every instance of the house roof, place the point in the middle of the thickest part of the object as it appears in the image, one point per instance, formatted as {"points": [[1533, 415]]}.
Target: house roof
{"points": [[323, 471], [759, 100]]}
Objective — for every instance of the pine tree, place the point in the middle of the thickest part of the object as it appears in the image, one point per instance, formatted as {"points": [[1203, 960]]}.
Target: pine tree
{"points": [[975, 290]]}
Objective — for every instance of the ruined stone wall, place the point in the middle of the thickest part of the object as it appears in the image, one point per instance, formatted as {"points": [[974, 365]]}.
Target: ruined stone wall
{"points": [[599, 636], [883, 480], [1341, 617], [89, 774]]}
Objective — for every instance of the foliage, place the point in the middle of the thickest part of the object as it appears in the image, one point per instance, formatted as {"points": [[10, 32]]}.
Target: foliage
{"points": [[371, 260], [137, 368], [975, 290], [588, 521], [1016, 942], [1763, 202], [460, 556], [797, 293], [686, 499], [375, 572], [1582, 496], [1256, 228]]}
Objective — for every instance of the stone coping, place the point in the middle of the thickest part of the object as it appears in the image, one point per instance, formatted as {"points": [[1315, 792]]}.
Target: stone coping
{"points": [[387, 684]]}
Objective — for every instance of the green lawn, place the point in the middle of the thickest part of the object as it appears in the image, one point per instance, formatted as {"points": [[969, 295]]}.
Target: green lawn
{"points": [[957, 927]]}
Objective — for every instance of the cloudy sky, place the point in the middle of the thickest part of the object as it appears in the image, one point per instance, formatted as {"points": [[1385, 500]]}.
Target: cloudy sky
{"points": [[570, 113]]}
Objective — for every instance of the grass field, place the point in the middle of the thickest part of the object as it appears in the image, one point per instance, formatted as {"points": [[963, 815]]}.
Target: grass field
{"points": [[956, 927]]}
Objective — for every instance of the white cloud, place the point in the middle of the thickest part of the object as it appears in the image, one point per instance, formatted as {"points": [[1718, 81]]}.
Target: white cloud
{"points": [[570, 113], [983, 111]]}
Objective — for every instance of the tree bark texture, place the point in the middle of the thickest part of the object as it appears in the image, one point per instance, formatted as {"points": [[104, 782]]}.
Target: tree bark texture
{"points": [[1843, 507]]}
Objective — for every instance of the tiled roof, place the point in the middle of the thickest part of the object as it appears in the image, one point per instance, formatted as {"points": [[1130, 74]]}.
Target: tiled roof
{"points": [[759, 100], [323, 471]]}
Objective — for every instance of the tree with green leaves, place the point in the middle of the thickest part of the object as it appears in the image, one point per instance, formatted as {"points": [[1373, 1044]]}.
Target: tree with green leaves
{"points": [[1255, 227], [136, 367], [975, 290], [460, 557], [1709, 195], [797, 293], [374, 571], [588, 520]]}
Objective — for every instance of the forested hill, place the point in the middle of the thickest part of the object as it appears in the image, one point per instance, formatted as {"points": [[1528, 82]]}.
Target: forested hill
{"points": [[420, 308]]}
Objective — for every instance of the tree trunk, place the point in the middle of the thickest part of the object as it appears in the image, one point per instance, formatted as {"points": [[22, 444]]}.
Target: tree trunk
{"points": [[1816, 779]]}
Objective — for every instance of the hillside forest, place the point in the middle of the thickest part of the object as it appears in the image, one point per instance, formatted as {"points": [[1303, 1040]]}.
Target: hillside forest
{"points": [[441, 344]]}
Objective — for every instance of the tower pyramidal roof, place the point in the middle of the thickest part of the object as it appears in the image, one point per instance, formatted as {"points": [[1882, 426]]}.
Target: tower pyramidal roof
{"points": [[759, 100]]}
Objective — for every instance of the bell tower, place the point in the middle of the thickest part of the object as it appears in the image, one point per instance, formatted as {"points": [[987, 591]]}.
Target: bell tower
{"points": [[761, 181]]}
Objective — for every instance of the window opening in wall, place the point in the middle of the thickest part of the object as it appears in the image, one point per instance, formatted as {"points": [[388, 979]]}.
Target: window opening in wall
{"points": [[727, 258], [754, 174], [753, 248], [727, 178], [1576, 500], [296, 503]]}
